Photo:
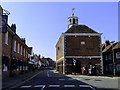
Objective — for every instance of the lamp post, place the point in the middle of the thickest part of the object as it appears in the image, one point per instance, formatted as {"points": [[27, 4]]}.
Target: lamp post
{"points": [[113, 58]]}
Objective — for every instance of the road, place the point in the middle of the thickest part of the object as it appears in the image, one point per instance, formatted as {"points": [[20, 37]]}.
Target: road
{"points": [[49, 80]]}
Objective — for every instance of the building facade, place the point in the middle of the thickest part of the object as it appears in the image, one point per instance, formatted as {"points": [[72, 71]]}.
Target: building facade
{"points": [[111, 58], [15, 52], [79, 47]]}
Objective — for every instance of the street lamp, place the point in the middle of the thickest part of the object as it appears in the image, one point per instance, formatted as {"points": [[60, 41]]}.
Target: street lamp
{"points": [[113, 58]]}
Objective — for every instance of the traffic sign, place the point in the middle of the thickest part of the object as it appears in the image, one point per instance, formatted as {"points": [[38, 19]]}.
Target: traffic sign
{"points": [[74, 61]]}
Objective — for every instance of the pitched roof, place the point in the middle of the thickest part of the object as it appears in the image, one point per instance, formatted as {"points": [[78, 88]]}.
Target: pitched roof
{"points": [[80, 29], [117, 45], [107, 48]]}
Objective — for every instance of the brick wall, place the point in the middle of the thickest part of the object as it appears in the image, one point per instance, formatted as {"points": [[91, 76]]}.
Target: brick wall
{"points": [[90, 48], [60, 48]]}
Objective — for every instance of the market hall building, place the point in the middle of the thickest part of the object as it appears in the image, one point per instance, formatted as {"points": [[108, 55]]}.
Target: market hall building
{"points": [[78, 47]]}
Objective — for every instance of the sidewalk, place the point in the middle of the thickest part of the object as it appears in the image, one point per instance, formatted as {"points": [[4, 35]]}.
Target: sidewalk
{"points": [[100, 82], [87, 76], [12, 81]]}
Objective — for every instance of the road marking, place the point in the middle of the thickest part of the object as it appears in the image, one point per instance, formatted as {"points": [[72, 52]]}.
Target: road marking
{"points": [[25, 86], [84, 86], [69, 85], [39, 85], [92, 88], [54, 85], [43, 87], [61, 79], [48, 74], [71, 79]]}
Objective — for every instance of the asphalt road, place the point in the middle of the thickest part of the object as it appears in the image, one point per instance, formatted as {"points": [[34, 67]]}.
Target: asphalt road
{"points": [[49, 80]]}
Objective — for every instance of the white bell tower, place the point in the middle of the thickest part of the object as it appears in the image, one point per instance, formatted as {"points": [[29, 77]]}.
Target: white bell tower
{"points": [[73, 20]]}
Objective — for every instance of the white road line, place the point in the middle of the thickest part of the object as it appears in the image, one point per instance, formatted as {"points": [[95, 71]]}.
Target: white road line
{"points": [[71, 79], [25, 86], [48, 74], [69, 85], [43, 87], [61, 79], [92, 88], [84, 86], [39, 85], [54, 85]]}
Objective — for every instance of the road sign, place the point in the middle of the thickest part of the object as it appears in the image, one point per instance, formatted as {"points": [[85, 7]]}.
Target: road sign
{"points": [[74, 61]]}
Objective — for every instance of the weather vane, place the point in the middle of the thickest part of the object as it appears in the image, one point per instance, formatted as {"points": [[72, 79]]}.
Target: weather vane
{"points": [[73, 9]]}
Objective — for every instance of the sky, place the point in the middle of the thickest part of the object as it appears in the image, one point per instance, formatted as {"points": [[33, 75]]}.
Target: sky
{"points": [[42, 23]]}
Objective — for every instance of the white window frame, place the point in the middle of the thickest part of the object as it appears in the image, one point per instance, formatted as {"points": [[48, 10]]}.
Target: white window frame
{"points": [[82, 42], [21, 49], [18, 48], [24, 51], [6, 38], [117, 55], [14, 47]]}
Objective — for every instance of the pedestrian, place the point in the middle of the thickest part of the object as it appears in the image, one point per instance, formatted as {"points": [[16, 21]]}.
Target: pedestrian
{"points": [[86, 71], [83, 70], [93, 70], [90, 71]]}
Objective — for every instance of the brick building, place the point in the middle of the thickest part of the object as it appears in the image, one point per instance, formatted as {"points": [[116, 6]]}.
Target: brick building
{"points": [[15, 52], [111, 58], [78, 47]]}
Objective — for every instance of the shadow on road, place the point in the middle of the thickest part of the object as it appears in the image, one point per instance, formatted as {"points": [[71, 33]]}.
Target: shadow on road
{"points": [[48, 80]]}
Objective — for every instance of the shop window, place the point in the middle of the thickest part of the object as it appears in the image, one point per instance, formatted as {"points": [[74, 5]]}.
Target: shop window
{"points": [[5, 68], [118, 68]]}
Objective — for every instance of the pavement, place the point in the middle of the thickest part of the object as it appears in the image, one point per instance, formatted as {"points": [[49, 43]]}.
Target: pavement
{"points": [[105, 82], [16, 80]]}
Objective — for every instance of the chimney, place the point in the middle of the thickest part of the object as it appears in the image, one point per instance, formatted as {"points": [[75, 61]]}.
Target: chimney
{"points": [[23, 39], [13, 26], [107, 43]]}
